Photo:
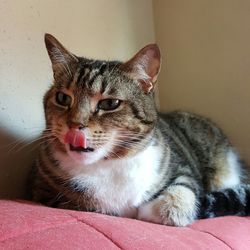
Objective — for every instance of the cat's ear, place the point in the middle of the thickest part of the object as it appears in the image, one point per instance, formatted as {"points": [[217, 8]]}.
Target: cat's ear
{"points": [[145, 66], [63, 62]]}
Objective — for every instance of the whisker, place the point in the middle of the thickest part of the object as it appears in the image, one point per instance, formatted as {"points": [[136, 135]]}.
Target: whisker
{"points": [[28, 143], [49, 141], [111, 152], [17, 142]]}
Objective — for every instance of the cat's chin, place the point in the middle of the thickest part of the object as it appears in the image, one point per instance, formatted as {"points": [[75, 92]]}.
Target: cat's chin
{"points": [[80, 149], [85, 156]]}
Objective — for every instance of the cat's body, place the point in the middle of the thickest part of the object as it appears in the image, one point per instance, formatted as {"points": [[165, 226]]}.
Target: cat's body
{"points": [[109, 151]]}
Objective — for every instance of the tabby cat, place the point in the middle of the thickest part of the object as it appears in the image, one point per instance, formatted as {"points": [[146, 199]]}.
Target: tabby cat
{"points": [[106, 148]]}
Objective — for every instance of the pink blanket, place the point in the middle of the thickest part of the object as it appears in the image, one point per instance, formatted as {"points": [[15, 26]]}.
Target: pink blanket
{"points": [[24, 225]]}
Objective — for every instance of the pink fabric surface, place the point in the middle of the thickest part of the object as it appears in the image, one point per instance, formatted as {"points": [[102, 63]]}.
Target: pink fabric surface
{"points": [[25, 225]]}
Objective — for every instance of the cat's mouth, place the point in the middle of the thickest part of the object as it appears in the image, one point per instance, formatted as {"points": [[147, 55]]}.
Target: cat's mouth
{"points": [[77, 141], [80, 149]]}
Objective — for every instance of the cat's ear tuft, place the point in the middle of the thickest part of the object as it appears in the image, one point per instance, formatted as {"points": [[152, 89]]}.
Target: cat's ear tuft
{"points": [[63, 62], [145, 66]]}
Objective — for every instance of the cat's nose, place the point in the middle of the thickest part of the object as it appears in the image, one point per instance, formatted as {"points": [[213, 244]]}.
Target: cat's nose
{"points": [[76, 125]]}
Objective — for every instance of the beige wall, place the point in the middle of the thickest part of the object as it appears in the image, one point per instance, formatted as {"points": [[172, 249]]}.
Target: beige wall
{"points": [[110, 29], [206, 64]]}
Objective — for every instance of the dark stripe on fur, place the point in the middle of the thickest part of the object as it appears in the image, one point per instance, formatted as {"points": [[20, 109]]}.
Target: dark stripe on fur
{"points": [[183, 145], [231, 201], [92, 79], [164, 189], [137, 113], [81, 73], [50, 157], [104, 86]]}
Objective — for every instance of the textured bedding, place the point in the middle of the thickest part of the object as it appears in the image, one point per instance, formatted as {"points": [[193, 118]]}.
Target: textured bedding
{"points": [[25, 225]]}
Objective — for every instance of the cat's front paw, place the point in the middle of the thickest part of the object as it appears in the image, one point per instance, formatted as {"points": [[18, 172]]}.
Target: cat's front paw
{"points": [[176, 207]]}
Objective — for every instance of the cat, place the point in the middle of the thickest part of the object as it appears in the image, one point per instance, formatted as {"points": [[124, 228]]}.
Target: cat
{"points": [[106, 148]]}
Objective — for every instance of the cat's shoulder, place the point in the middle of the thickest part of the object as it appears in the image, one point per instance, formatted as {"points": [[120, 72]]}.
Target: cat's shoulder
{"points": [[182, 115], [186, 119]]}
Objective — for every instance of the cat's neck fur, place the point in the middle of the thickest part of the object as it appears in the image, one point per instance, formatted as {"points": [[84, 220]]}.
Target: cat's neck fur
{"points": [[127, 182]]}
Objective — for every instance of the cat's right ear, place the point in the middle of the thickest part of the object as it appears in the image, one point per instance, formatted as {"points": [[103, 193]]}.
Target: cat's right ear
{"points": [[63, 62]]}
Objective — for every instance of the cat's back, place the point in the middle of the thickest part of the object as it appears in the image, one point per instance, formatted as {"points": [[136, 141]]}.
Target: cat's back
{"points": [[193, 136], [202, 142], [194, 127]]}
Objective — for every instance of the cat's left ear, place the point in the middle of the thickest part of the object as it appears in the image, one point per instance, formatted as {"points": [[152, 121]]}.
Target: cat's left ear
{"points": [[64, 63], [144, 67]]}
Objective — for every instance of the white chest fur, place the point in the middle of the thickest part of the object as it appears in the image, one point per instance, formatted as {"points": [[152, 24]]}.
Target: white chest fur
{"points": [[119, 185]]}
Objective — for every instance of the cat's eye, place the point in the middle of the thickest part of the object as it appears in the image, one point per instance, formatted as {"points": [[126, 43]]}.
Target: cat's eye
{"points": [[109, 104], [63, 99]]}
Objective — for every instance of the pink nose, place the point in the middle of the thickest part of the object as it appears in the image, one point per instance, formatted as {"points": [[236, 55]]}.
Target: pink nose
{"points": [[76, 138], [76, 125]]}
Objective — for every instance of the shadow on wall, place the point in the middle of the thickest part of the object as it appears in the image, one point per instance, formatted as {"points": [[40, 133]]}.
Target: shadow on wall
{"points": [[16, 158]]}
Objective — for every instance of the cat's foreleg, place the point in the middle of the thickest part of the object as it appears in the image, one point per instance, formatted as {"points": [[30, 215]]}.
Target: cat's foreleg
{"points": [[177, 206]]}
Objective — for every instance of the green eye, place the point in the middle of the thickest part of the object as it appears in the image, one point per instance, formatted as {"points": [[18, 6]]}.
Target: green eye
{"points": [[109, 104], [63, 99]]}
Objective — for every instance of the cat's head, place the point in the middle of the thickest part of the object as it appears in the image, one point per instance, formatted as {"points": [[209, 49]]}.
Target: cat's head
{"points": [[100, 109]]}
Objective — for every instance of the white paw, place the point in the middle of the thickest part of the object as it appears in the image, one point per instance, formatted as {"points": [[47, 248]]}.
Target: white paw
{"points": [[176, 207]]}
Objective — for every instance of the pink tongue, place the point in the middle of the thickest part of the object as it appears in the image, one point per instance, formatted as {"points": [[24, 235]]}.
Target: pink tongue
{"points": [[76, 138]]}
